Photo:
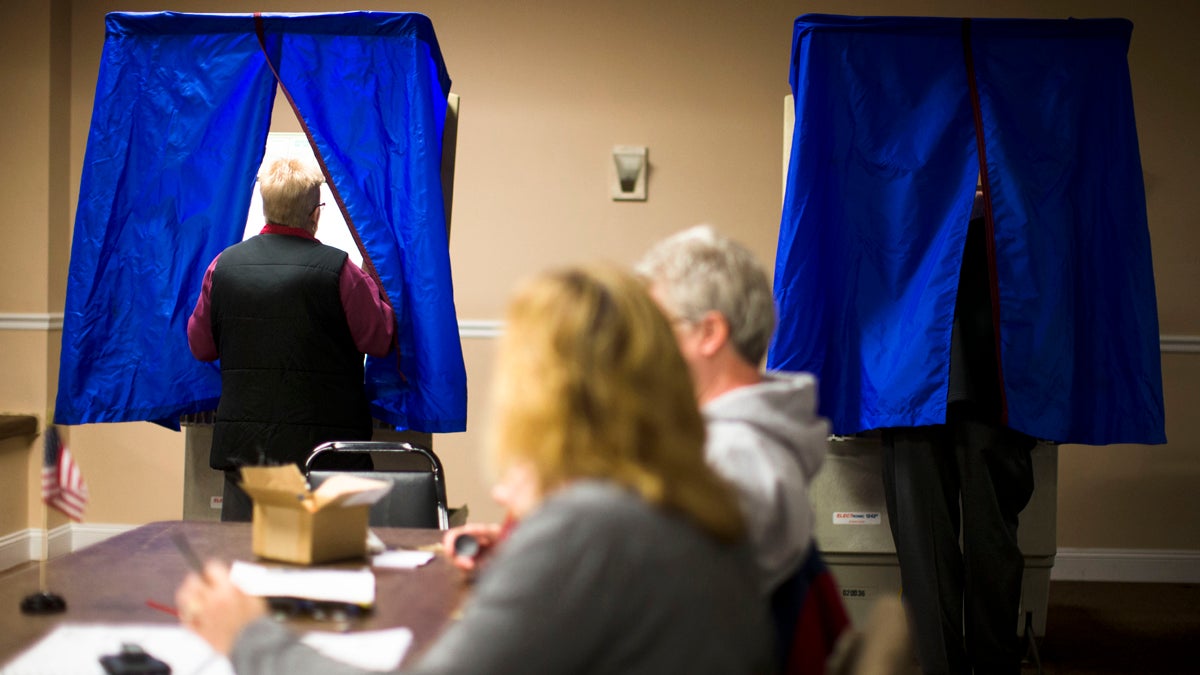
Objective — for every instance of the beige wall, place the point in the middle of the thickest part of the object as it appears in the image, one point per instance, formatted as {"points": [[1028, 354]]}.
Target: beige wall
{"points": [[547, 88], [14, 467], [34, 79]]}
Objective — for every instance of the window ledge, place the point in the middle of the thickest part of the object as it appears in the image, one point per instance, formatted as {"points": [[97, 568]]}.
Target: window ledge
{"points": [[12, 426]]}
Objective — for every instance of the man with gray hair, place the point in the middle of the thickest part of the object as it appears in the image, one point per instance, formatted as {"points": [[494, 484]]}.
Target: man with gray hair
{"points": [[290, 319], [764, 434]]}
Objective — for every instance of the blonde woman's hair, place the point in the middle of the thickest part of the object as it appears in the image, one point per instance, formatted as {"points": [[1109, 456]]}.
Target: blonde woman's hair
{"points": [[591, 384], [291, 189]]}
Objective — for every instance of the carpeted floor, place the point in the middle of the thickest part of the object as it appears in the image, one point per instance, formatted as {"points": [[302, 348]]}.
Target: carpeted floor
{"points": [[1102, 627]]}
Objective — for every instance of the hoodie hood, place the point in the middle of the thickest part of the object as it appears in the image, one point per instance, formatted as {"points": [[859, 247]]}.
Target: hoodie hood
{"points": [[782, 408]]}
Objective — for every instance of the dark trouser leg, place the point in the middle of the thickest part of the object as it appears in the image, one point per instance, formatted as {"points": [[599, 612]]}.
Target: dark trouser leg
{"points": [[921, 486], [236, 505], [997, 481]]}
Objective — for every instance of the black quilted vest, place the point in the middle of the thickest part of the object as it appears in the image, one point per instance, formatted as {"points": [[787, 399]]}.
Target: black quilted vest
{"points": [[291, 377]]}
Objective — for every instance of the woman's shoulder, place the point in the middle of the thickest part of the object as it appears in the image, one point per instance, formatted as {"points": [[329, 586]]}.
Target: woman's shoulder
{"points": [[591, 504], [588, 512], [587, 493]]}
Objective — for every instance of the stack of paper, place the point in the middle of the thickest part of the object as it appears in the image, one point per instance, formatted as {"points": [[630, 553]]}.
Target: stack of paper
{"points": [[77, 648]]}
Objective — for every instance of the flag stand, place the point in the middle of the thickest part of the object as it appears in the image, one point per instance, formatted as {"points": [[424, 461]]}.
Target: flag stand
{"points": [[43, 602]]}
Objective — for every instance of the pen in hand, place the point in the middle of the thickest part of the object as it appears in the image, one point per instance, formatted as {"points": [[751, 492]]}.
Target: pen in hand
{"points": [[185, 549], [167, 609]]}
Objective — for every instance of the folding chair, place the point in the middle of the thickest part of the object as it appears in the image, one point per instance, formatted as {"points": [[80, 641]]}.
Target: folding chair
{"points": [[418, 495]]}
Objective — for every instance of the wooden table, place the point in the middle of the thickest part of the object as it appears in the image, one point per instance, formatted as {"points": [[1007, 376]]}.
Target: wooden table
{"points": [[112, 581]]}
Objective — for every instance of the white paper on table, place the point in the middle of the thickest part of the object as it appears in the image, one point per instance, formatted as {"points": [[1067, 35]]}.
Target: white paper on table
{"points": [[407, 560], [352, 586], [372, 649], [77, 648]]}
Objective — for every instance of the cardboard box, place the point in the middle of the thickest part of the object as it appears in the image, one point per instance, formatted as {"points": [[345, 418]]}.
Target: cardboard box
{"points": [[295, 525]]}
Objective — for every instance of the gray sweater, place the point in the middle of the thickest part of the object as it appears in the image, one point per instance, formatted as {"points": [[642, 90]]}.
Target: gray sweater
{"points": [[768, 441], [594, 581]]}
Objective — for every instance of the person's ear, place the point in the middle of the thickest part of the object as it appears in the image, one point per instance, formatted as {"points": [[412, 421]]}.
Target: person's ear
{"points": [[713, 329], [314, 218]]}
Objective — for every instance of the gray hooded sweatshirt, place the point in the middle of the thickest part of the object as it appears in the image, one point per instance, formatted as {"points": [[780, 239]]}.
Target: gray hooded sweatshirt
{"points": [[768, 441]]}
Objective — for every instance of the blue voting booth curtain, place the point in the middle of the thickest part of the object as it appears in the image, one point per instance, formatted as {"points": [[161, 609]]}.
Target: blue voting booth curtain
{"points": [[179, 127], [881, 181]]}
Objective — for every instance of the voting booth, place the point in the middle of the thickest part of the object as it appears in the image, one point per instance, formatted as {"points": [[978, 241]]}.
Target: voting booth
{"points": [[179, 129], [893, 124]]}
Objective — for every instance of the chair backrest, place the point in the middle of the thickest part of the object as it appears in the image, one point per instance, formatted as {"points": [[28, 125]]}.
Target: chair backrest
{"points": [[417, 497]]}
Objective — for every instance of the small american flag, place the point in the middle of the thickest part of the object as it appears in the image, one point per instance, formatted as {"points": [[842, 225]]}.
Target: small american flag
{"points": [[62, 483]]}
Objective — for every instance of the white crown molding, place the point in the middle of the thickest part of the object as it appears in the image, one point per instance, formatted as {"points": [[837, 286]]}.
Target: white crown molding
{"points": [[1069, 564], [480, 328], [15, 548], [1099, 564], [86, 534], [467, 328], [24, 546], [31, 321], [485, 328], [1179, 343], [491, 328]]}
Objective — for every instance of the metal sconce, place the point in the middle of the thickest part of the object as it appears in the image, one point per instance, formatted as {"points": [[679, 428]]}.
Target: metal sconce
{"points": [[629, 173]]}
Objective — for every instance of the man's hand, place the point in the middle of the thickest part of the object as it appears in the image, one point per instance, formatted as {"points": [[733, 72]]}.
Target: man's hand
{"points": [[214, 608]]}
